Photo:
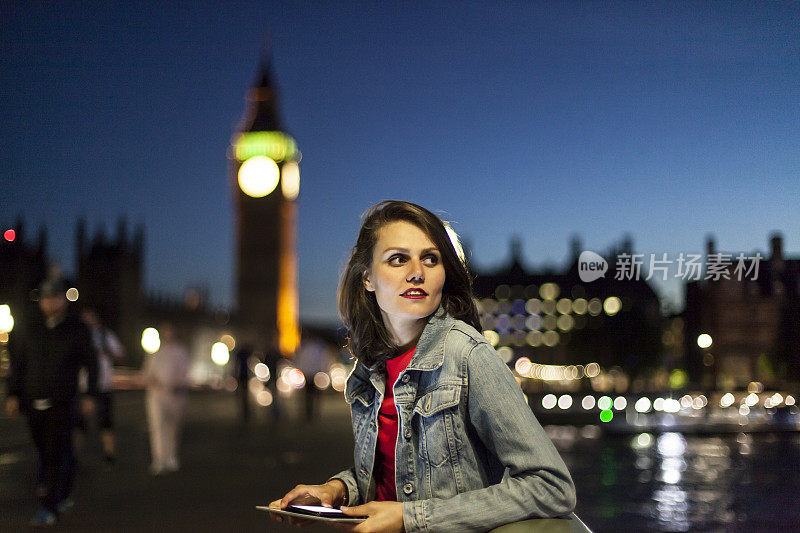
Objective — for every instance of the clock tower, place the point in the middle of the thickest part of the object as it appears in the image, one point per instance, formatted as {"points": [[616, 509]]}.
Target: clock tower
{"points": [[265, 178]]}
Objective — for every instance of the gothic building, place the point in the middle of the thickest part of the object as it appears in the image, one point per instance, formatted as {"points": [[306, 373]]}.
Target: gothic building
{"points": [[753, 322], [553, 318]]}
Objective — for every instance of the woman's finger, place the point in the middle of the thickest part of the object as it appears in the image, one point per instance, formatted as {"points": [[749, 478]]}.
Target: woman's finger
{"points": [[298, 492], [358, 510]]}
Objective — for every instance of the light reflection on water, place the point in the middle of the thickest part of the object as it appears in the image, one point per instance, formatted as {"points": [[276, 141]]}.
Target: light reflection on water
{"points": [[675, 482]]}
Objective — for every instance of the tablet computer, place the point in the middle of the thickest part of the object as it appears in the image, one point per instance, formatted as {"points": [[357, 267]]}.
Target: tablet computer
{"points": [[313, 512]]}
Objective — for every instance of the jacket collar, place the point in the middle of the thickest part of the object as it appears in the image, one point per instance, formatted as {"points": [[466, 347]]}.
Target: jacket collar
{"points": [[429, 354]]}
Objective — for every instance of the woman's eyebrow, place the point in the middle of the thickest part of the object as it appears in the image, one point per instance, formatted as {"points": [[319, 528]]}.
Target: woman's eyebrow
{"points": [[395, 249], [405, 250]]}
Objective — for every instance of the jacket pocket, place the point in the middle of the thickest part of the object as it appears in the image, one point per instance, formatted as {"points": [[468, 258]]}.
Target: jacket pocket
{"points": [[437, 409]]}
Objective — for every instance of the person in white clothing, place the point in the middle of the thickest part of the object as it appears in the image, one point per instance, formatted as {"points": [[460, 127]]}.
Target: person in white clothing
{"points": [[109, 351], [165, 379]]}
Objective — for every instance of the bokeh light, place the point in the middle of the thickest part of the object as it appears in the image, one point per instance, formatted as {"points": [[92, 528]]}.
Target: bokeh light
{"points": [[151, 341], [264, 398], [506, 353], [549, 401], [258, 176], [523, 366], [642, 441], [550, 338], [261, 371], [229, 341], [704, 340], [290, 180], [604, 403], [642, 405], [296, 378], [549, 291], [338, 377], [565, 401], [322, 381], [727, 400], [220, 354], [492, 337], [72, 294], [588, 402], [612, 305], [6, 320]]}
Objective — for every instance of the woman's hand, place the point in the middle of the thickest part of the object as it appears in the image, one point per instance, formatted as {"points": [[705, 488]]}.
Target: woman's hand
{"points": [[330, 494], [384, 517]]}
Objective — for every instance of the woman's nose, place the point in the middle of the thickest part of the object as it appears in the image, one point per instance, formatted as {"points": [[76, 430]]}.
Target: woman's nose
{"points": [[415, 271]]}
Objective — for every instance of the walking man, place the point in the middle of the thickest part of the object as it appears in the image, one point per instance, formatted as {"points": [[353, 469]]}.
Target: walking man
{"points": [[46, 356]]}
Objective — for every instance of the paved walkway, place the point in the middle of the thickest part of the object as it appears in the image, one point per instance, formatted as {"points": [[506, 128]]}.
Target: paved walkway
{"points": [[227, 468]]}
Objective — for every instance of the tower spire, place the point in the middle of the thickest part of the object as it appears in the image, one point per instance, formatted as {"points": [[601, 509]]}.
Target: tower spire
{"points": [[262, 113]]}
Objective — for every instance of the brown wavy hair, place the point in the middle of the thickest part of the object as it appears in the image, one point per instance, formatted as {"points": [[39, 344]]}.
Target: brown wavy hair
{"points": [[367, 337]]}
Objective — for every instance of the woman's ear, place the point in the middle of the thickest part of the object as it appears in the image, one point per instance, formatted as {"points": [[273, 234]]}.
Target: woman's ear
{"points": [[367, 282]]}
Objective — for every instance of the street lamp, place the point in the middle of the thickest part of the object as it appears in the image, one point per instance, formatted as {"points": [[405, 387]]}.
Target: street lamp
{"points": [[6, 320], [704, 340], [220, 354], [151, 341]]}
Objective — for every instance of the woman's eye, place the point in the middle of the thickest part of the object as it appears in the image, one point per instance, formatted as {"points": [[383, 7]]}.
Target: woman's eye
{"points": [[396, 260], [432, 259]]}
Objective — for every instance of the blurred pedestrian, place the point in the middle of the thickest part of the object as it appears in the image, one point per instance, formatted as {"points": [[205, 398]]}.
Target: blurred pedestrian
{"points": [[312, 358], [242, 371], [272, 358], [166, 383], [109, 350], [46, 355]]}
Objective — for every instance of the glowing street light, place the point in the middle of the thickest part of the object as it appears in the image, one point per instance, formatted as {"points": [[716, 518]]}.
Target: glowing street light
{"points": [[151, 341], [6, 320], [704, 340], [220, 354], [290, 182]]}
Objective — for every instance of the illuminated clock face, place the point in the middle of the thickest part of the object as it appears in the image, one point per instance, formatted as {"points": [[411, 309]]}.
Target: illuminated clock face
{"points": [[258, 176], [290, 180]]}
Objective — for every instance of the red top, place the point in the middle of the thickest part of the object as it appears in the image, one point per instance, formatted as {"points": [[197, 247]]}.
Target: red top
{"points": [[387, 430]]}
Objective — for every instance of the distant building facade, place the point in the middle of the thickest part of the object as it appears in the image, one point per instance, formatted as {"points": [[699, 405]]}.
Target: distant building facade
{"points": [[110, 279], [553, 318], [754, 324]]}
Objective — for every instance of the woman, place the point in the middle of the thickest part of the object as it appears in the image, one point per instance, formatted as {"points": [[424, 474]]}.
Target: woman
{"points": [[165, 379], [444, 440]]}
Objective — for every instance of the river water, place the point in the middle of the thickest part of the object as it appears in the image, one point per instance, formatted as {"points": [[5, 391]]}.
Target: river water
{"points": [[675, 482]]}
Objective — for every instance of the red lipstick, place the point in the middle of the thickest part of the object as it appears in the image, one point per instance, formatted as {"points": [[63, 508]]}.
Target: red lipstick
{"points": [[414, 293]]}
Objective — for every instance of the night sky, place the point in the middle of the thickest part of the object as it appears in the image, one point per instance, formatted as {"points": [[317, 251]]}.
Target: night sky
{"points": [[666, 121]]}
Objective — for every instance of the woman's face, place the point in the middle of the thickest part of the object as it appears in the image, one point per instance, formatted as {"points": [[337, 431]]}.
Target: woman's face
{"points": [[407, 275]]}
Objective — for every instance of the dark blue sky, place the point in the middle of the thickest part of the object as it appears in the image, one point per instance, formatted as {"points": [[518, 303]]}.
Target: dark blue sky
{"points": [[667, 121]]}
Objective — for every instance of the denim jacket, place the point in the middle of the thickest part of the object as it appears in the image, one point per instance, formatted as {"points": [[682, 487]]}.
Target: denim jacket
{"points": [[470, 454]]}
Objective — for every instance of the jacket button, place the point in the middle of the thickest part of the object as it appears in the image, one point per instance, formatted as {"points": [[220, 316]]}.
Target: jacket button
{"points": [[407, 433], [408, 488], [405, 378]]}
